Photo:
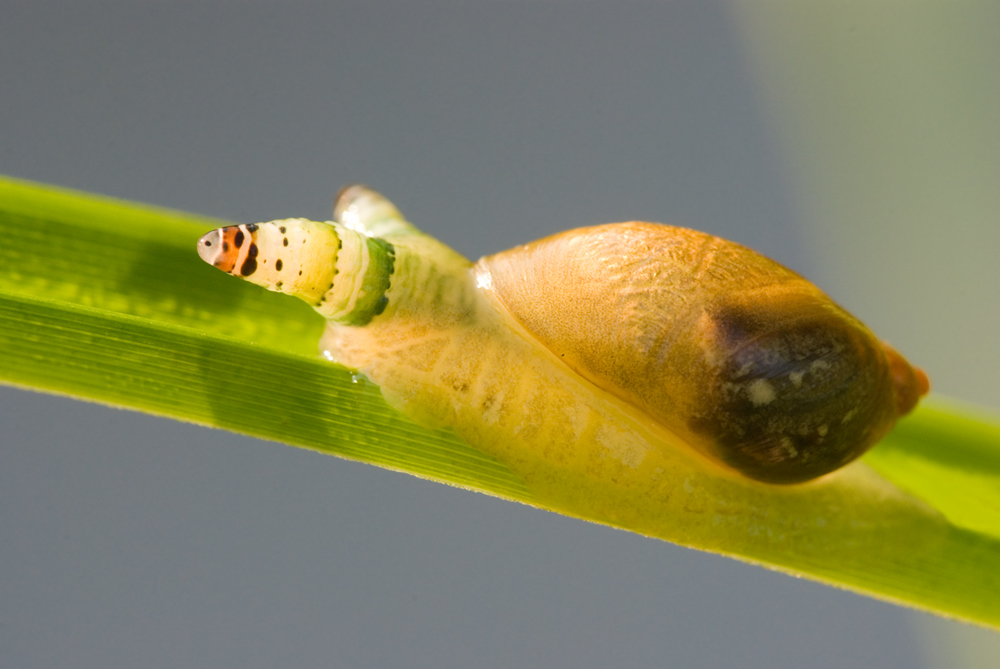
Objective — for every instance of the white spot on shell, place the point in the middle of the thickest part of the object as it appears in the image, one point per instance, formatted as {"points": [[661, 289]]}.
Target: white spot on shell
{"points": [[789, 447], [819, 366], [822, 430], [796, 378], [761, 392]]}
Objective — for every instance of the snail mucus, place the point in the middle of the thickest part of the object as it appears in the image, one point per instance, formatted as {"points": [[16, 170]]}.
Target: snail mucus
{"points": [[727, 352]]}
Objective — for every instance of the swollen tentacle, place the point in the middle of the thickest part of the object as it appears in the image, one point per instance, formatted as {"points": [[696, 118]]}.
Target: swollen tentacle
{"points": [[344, 274], [350, 270]]}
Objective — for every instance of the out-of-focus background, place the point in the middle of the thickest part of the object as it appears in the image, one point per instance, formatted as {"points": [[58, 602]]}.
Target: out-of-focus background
{"points": [[857, 143]]}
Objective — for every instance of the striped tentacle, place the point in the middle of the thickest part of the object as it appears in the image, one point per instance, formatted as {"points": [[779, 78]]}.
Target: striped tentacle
{"points": [[344, 274]]}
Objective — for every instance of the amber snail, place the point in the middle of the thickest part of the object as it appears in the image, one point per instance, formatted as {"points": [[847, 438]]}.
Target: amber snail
{"points": [[726, 351]]}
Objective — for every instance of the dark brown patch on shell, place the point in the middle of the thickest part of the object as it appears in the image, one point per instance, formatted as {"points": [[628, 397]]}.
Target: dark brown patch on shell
{"points": [[796, 390]]}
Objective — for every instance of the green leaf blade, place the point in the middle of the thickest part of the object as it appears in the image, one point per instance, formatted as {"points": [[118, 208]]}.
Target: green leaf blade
{"points": [[136, 260], [166, 370], [948, 456]]}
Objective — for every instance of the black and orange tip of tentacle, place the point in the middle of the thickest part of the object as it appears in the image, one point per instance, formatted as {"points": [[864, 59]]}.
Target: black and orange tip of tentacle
{"points": [[221, 248]]}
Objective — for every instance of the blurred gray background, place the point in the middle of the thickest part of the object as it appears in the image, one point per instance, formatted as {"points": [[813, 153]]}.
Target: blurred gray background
{"points": [[127, 540]]}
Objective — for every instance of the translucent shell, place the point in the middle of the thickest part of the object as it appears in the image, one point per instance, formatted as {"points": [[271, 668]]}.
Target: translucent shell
{"points": [[742, 358]]}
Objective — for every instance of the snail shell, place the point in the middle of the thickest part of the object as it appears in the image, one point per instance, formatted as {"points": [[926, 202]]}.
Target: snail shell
{"points": [[742, 359], [750, 363]]}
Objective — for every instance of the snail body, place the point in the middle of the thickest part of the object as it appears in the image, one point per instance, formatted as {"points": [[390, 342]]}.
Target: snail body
{"points": [[603, 343]]}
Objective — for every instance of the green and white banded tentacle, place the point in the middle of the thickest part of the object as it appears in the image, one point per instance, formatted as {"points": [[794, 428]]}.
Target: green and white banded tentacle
{"points": [[350, 269]]}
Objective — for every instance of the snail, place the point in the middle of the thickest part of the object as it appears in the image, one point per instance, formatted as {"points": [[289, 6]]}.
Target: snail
{"points": [[702, 341]]}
